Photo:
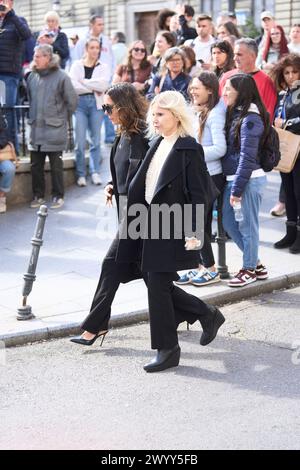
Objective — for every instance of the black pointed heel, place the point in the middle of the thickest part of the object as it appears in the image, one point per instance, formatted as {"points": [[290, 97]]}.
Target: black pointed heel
{"points": [[89, 342]]}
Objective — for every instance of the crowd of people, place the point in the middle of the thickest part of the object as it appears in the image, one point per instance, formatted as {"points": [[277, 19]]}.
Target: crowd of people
{"points": [[212, 96]]}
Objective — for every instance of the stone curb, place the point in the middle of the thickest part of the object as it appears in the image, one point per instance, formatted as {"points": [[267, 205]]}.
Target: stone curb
{"points": [[230, 296]]}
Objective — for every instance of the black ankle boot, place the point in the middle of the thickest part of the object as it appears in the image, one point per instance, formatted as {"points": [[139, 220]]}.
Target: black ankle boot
{"points": [[289, 238], [295, 248], [165, 358]]}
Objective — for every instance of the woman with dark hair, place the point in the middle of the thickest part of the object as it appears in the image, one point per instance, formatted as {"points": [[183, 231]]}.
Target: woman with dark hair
{"points": [[126, 109], [226, 30], [275, 47], [286, 75], [192, 67], [137, 69], [173, 75], [163, 41], [222, 58], [210, 133], [246, 129], [163, 19]]}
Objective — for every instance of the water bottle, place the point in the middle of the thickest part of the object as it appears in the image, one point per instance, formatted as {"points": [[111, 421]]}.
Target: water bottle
{"points": [[237, 208]]}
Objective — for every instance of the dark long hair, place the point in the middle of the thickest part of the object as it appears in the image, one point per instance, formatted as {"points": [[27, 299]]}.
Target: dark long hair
{"points": [[225, 47], [248, 94], [131, 105], [290, 60], [211, 83], [144, 63]]}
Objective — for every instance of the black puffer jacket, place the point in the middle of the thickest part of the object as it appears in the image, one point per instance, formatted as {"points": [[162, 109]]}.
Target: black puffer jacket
{"points": [[3, 131], [288, 108], [14, 31]]}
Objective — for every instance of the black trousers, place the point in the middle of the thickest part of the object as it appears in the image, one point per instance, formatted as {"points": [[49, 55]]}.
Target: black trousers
{"points": [[206, 252], [291, 185], [38, 176], [169, 306]]}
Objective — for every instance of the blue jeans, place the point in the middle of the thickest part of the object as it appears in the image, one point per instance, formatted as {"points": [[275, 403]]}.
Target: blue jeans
{"points": [[245, 233], [109, 130], [7, 173], [88, 118], [11, 91]]}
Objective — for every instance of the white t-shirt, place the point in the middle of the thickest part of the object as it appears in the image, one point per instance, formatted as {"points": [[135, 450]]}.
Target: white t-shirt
{"points": [[201, 49]]}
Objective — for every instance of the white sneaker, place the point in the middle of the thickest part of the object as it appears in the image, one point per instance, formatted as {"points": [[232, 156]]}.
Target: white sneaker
{"points": [[96, 179], [57, 203], [81, 181], [2, 204], [37, 202]]}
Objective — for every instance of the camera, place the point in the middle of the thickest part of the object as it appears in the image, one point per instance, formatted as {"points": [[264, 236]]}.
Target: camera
{"points": [[2, 7]]}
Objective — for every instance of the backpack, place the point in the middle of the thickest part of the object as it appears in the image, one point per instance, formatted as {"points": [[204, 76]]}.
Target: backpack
{"points": [[269, 152]]}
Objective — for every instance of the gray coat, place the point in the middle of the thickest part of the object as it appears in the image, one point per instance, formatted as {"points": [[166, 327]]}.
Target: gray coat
{"points": [[52, 101]]}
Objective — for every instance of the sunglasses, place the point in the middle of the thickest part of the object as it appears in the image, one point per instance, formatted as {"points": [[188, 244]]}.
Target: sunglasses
{"points": [[138, 49], [108, 108]]}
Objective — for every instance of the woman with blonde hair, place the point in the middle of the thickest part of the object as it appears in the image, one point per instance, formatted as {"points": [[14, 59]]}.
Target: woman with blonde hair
{"points": [[136, 69], [53, 36], [90, 79], [173, 175]]}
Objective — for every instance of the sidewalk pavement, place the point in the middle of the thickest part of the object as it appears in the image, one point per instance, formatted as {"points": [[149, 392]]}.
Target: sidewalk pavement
{"points": [[76, 239]]}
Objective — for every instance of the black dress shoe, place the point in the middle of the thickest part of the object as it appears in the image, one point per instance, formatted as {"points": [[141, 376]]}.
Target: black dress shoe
{"points": [[211, 328], [89, 342], [165, 358]]}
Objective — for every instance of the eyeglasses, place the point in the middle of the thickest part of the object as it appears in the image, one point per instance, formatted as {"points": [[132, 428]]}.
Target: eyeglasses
{"points": [[139, 49], [108, 108], [175, 60]]}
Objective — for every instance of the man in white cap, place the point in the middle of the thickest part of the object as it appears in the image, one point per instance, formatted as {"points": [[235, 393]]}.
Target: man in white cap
{"points": [[267, 22]]}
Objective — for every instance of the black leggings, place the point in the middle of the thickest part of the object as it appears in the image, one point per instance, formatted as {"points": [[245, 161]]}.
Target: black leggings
{"points": [[291, 185]]}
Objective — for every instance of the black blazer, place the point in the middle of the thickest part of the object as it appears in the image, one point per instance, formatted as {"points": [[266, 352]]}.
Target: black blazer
{"points": [[167, 255], [138, 148]]}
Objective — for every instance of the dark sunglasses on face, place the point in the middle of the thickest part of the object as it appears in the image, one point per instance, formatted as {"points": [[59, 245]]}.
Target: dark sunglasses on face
{"points": [[138, 49], [108, 108]]}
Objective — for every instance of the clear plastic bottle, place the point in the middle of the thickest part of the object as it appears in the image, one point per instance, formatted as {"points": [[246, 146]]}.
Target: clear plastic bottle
{"points": [[237, 208]]}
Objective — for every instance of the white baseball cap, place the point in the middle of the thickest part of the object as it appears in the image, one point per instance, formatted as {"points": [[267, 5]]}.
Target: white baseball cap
{"points": [[267, 14]]}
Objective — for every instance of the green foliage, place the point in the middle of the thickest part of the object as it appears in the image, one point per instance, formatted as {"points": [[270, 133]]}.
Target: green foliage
{"points": [[250, 30]]}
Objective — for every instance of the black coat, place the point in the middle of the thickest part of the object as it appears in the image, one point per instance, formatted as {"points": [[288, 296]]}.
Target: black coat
{"points": [[13, 32], [138, 148], [168, 255], [4, 138]]}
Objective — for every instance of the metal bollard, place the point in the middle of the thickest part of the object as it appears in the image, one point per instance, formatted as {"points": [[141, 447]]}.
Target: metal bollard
{"points": [[221, 241], [25, 312]]}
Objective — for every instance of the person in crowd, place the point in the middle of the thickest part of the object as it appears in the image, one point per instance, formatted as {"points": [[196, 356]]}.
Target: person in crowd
{"points": [[226, 30], [163, 19], [193, 68], [127, 109], [73, 40], [174, 157], [137, 69], [294, 44], [247, 124], [14, 32], [96, 28], [204, 40], [90, 79], [119, 47], [267, 22], [173, 76], [225, 17], [222, 58], [245, 54], [185, 15], [53, 36], [175, 29], [210, 134], [7, 167], [52, 101], [164, 40], [274, 48], [286, 75]]}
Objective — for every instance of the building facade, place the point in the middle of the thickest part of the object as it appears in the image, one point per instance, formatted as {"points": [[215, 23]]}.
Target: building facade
{"points": [[136, 18]]}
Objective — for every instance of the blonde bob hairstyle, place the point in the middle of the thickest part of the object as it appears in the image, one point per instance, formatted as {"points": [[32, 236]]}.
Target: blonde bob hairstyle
{"points": [[174, 102], [52, 15]]}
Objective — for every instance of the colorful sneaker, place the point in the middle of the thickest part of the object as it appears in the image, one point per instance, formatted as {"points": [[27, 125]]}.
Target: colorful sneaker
{"points": [[242, 278], [186, 278], [261, 272], [205, 277]]}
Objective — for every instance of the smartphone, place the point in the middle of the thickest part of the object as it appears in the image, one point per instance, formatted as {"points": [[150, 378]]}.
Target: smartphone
{"points": [[2, 7]]}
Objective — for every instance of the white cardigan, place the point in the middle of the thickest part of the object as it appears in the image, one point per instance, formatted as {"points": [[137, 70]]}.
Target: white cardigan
{"points": [[97, 84]]}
